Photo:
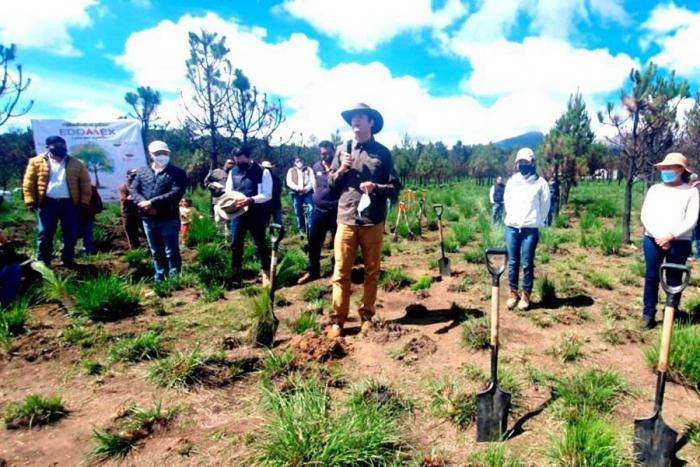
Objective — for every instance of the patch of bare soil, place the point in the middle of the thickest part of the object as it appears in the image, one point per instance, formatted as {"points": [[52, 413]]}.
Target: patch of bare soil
{"points": [[417, 348], [382, 332], [318, 347]]}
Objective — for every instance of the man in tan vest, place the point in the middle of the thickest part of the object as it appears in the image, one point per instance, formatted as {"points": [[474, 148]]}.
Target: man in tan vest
{"points": [[299, 180]]}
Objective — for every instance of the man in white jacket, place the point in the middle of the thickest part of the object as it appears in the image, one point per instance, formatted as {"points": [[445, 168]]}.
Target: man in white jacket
{"points": [[527, 202]]}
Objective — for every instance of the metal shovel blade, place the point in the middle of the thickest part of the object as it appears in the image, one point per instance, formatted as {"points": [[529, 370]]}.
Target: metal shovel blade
{"points": [[492, 408], [444, 265], [654, 441]]}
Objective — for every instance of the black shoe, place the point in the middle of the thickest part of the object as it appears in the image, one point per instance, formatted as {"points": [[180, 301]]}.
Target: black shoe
{"points": [[648, 323]]}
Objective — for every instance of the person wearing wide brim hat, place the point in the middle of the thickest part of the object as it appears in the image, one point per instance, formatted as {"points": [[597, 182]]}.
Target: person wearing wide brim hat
{"points": [[669, 215], [363, 176]]}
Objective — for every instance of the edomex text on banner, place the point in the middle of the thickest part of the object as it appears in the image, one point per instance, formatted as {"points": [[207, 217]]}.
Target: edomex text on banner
{"points": [[108, 149]]}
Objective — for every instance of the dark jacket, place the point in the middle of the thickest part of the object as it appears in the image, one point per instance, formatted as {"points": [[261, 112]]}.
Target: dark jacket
{"points": [[164, 190], [95, 207], [498, 190], [373, 163], [129, 209], [276, 200], [325, 199], [247, 182]]}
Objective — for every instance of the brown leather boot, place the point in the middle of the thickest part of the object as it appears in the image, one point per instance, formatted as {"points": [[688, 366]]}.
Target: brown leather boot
{"points": [[512, 299], [305, 278], [524, 303]]}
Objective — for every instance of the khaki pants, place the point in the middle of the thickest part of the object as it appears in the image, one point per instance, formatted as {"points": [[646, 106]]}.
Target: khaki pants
{"points": [[347, 239]]}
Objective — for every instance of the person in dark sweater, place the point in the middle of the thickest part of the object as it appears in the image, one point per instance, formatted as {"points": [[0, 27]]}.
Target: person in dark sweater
{"points": [[255, 183], [157, 191], [496, 198], [325, 214]]}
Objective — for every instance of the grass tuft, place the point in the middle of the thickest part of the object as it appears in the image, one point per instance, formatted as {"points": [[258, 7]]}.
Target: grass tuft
{"points": [[106, 297], [568, 349], [145, 346], [684, 356], [423, 283], [450, 403], [476, 334], [34, 410]]}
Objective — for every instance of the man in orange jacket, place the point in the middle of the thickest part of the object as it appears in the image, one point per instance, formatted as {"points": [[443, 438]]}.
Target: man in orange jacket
{"points": [[56, 186]]}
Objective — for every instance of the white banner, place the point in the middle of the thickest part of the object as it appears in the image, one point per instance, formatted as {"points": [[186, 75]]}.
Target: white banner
{"points": [[108, 149]]}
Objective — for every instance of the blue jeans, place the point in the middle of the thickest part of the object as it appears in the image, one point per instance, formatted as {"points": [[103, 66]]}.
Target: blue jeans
{"points": [[521, 245], [51, 212], [256, 225], [299, 202], [163, 236], [277, 216], [320, 224], [654, 256], [85, 232], [553, 208], [497, 213], [10, 276], [696, 238]]}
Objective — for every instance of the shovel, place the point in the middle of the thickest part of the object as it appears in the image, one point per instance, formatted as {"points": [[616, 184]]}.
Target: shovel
{"points": [[421, 211], [265, 329], [492, 405], [402, 210], [444, 261], [395, 232], [655, 442]]}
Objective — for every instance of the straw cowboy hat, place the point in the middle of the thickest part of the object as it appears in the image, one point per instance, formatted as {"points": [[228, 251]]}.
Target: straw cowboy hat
{"points": [[674, 158], [267, 164], [371, 114], [225, 208]]}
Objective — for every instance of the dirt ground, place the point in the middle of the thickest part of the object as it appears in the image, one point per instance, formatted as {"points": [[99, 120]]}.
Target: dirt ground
{"points": [[417, 339]]}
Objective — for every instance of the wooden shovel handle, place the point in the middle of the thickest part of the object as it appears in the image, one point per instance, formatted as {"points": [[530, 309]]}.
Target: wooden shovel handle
{"points": [[666, 332], [494, 316]]}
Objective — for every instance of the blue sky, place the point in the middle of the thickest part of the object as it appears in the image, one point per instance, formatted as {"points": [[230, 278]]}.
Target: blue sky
{"points": [[475, 71]]}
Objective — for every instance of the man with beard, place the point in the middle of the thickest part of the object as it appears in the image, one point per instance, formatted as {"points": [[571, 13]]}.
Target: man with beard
{"points": [[324, 218]]}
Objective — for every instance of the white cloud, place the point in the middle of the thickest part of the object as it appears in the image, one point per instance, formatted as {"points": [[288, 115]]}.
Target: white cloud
{"points": [[549, 66], [531, 83], [44, 24], [141, 3], [675, 31], [361, 25]]}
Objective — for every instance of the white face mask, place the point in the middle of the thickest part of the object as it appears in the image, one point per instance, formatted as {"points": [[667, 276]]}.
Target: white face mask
{"points": [[364, 203], [299, 165], [162, 160]]}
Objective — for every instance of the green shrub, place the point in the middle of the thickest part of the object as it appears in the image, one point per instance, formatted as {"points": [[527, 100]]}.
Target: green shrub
{"points": [[494, 455], [315, 292], [449, 402], [451, 246], [34, 410], [106, 297], [276, 365], [83, 336], [588, 441], [561, 222], [476, 334], [692, 304], [637, 266], [568, 349], [546, 290], [305, 321], [364, 433], [201, 231], [601, 280], [611, 241], [684, 355], [181, 370], [136, 256], [593, 390], [423, 283], [291, 268], [395, 279], [474, 256], [212, 264], [133, 349], [463, 232], [12, 320], [589, 221], [604, 207]]}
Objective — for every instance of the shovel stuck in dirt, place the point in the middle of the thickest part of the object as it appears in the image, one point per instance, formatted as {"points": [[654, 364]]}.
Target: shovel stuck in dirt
{"points": [[444, 261], [265, 329], [492, 405], [655, 442]]}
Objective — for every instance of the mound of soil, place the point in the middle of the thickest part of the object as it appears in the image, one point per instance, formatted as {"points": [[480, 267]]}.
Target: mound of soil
{"points": [[318, 347], [417, 348], [383, 332]]}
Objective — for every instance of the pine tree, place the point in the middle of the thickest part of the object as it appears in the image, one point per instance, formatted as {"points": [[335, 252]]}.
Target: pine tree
{"points": [[12, 85], [145, 102]]}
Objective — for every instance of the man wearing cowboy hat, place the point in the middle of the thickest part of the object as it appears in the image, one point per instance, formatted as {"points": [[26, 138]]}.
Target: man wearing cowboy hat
{"points": [[255, 183], [363, 175], [669, 214], [156, 191], [276, 201]]}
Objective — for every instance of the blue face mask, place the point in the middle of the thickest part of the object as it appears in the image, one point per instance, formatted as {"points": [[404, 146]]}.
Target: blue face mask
{"points": [[668, 176], [526, 170]]}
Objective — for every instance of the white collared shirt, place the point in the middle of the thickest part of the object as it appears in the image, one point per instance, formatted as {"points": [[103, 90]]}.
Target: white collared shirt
{"points": [[58, 185]]}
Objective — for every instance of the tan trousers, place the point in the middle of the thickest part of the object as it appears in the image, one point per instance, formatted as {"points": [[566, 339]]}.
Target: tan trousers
{"points": [[347, 239]]}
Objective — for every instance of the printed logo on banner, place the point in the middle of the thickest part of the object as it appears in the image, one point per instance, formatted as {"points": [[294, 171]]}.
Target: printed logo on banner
{"points": [[108, 149]]}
